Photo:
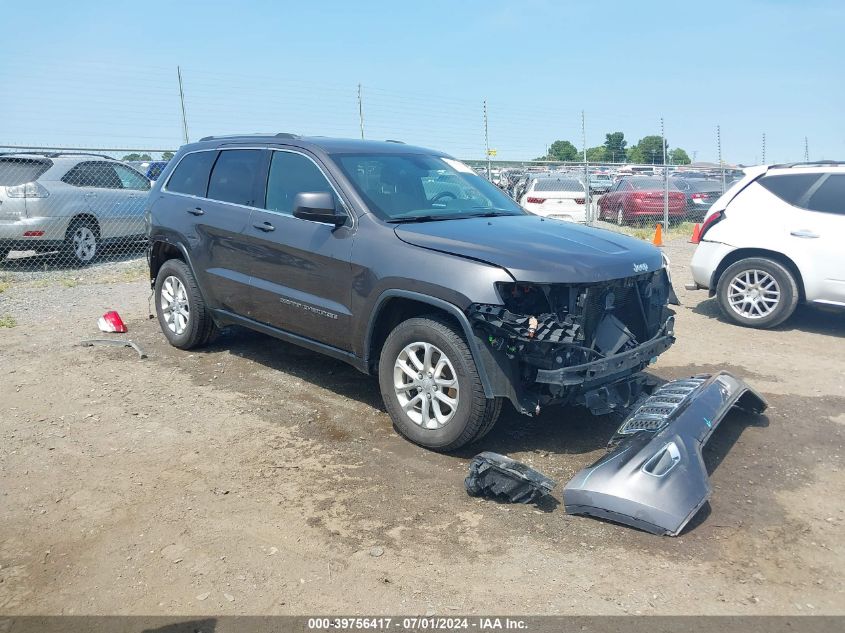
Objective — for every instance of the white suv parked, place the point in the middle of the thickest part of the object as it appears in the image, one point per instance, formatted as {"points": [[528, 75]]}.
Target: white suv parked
{"points": [[775, 238]]}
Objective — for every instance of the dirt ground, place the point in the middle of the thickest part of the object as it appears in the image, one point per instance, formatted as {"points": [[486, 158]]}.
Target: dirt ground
{"points": [[255, 477]]}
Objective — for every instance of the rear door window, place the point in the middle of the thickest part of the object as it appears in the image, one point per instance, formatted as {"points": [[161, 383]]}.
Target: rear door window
{"points": [[235, 175], [191, 174], [93, 174], [19, 171], [789, 187], [829, 196]]}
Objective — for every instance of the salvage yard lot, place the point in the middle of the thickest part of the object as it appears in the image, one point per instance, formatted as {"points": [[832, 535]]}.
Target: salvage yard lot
{"points": [[256, 477]]}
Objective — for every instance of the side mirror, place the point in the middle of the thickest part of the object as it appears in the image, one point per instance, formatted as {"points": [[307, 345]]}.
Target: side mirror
{"points": [[317, 207]]}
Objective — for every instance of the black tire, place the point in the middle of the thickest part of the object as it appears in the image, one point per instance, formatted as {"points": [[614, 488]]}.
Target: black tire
{"points": [[82, 241], [785, 284], [4, 252], [474, 414], [199, 328]]}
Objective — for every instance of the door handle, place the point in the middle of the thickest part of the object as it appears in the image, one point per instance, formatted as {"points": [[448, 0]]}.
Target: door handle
{"points": [[265, 226], [805, 234], [195, 211]]}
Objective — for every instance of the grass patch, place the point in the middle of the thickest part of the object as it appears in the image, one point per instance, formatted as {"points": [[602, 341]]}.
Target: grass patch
{"points": [[4, 286], [7, 320], [675, 231], [69, 282]]}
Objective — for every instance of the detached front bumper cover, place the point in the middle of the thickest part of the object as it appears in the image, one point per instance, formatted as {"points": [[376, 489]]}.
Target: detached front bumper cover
{"points": [[654, 477]]}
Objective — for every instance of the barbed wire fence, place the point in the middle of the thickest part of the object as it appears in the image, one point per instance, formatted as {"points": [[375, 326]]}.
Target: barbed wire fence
{"points": [[77, 165]]}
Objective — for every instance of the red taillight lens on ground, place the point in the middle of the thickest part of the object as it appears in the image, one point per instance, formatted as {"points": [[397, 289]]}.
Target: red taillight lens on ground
{"points": [[710, 222], [33, 233], [535, 200]]}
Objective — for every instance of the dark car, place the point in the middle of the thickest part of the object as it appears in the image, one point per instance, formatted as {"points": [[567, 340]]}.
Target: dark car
{"points": [[638, 199], [455, 297], [150, 168], [700, 194]]}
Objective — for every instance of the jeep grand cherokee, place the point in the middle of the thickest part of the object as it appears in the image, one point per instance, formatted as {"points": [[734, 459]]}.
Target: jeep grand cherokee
{"points": [[404, 263]]}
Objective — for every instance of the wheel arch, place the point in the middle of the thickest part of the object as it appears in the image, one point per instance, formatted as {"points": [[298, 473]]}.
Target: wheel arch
{"points": [[160, 251], [396, 306], [746, 253], [83, 216]]}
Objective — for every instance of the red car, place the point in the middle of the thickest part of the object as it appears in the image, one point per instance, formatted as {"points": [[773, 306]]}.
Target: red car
{"points": [[639, 199]]}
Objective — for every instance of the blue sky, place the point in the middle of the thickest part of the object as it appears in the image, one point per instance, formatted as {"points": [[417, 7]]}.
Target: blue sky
{"points": [[104, 73]]}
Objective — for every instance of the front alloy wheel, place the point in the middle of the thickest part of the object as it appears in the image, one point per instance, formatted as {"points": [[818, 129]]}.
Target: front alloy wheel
{"points": [[426, 385], [430, 385]]}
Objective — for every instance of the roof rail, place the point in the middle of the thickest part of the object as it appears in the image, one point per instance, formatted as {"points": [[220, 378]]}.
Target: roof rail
{"points": [[56, 154], [811, 163], [390, 140], [228, 136]]}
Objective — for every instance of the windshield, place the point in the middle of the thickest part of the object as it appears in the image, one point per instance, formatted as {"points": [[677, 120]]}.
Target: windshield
{"points": [[417, 187]]}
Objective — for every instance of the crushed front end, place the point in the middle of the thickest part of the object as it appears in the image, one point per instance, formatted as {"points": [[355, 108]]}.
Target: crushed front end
{"points": [[576, 343]]}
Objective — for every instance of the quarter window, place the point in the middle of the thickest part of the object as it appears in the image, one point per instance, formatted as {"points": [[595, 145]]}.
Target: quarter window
{"points": [[290, 174], [234, 176], [829, 196], [191, 174], [789, 187]]}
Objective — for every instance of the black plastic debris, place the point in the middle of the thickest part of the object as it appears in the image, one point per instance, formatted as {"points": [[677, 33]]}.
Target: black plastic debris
{"points": [[499, 477]]}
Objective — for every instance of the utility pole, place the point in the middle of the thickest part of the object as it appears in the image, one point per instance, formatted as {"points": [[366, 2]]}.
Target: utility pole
{"points": [[719, 150], [587, 201], [487, 141], [806, 151], [361, 111], [665, 177], [764, 148], [182, 100]]}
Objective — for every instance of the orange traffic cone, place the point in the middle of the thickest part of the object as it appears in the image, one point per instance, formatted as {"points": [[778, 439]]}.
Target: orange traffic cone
{"points": [[696, 234], [658, 235]]}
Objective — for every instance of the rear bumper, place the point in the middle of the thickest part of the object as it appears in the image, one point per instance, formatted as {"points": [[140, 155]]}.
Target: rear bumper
{"points": [[654, 478], [51, 229], [705, 261]]}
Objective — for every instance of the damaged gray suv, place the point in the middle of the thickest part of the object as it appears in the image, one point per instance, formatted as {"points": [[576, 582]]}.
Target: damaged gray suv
{"points": [[404, 263]]}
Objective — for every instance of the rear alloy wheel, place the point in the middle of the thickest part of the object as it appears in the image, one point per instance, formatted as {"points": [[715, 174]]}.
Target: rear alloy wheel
{"points": [[182, 314], [757, 292], [83, 241], [620, 216], [431, 387]]}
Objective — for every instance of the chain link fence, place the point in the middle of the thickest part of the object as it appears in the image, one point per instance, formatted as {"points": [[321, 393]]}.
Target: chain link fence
{"points": [[72, 208], [629, 198]]}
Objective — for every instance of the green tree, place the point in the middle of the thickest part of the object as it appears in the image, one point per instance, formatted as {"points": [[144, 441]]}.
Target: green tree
{"points": [[597, 154], [614, 146], [137, 156], [166, 155], [648, 150], [679, 157], [563, 150]]}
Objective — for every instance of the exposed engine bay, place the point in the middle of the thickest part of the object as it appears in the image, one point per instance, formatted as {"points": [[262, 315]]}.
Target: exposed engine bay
{"points": [[563, 341]]}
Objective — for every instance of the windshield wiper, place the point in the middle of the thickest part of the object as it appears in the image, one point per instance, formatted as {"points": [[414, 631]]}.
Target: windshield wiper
{"points": [[492, 213], [424, 218]]}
